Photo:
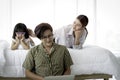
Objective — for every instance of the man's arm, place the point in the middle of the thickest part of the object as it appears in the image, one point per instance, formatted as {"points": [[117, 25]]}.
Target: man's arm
{"points": [[67, 62], [33, 76], [67, 71]]}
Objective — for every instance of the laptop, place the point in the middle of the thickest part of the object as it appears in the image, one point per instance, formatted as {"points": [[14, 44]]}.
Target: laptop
{"points": [[63, 77]]}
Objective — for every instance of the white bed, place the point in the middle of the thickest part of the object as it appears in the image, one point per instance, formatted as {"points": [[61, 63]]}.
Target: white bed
{"points": [[94, 59], [89, 60]]}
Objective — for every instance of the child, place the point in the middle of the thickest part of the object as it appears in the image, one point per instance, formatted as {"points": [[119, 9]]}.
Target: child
{"points": [[20, 37]]}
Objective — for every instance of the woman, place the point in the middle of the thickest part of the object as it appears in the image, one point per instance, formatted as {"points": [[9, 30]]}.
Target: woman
{"points": [[73, 36]]}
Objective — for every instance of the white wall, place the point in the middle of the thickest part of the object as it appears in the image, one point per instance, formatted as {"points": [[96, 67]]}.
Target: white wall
{"points": [[103, 17], [5, 19], [56, 12], [108, 24]]}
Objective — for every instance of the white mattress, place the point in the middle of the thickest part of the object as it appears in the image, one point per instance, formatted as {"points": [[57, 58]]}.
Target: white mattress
{"points": [[13, 65], [90, 59], [93, 59]]}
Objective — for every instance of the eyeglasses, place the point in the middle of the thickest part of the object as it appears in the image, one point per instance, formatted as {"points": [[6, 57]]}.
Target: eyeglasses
{"points": [[48, 36]]}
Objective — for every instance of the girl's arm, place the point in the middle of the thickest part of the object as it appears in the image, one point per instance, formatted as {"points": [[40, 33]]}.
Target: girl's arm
{"points": [[32, 42], [25, 44], [15, 43], [31, 33]]}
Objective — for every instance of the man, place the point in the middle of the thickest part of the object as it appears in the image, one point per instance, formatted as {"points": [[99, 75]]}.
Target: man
{"points": [[48, 58]]}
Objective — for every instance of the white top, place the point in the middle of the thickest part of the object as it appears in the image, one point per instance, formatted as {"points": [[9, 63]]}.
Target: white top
{"points": [[64, 36]]}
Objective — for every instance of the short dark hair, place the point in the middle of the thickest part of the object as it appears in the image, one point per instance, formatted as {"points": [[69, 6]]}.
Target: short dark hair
{"points": [[20, 27], [83, 19], [41, 28]]}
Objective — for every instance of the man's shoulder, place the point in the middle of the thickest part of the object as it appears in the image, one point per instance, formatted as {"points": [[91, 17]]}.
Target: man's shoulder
{"points": [[60, 46], [35, 48]]}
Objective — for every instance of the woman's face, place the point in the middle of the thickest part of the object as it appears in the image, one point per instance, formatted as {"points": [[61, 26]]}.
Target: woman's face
{"points": [[47, 38], [77, 25]]}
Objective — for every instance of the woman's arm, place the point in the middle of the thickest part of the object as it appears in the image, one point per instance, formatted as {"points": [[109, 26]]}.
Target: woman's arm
{"points": [[78, 34], [33, 76]]}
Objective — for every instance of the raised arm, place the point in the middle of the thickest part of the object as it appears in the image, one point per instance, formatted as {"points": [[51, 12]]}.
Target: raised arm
{"points": [[25, 44]]}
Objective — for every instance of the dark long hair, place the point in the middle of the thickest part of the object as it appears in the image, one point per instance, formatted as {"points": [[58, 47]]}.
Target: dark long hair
{"points": [[83, 19]]}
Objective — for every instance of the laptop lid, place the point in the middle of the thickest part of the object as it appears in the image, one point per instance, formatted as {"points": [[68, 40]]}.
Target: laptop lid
{"points": [[63, 77]]}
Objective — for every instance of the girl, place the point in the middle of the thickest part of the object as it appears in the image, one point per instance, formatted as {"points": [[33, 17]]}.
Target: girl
{"points": [[20, 37]]}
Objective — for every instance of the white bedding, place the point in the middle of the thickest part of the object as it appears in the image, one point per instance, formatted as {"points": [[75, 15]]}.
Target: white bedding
{"points": [[14, 60], [93, 59], [3, 45], [90, 59]]}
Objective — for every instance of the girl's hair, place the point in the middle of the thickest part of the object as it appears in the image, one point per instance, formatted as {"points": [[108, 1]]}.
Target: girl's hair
{"points": [[83, 19], [20, 27], [41, 28]]}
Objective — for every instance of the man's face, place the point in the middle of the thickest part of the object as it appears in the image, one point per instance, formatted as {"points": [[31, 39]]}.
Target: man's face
{"points": [[47, 38]]}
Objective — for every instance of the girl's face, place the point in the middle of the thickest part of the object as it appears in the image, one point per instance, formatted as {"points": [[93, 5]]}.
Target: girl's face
{"points": [[77, 25], [20, 34]]}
